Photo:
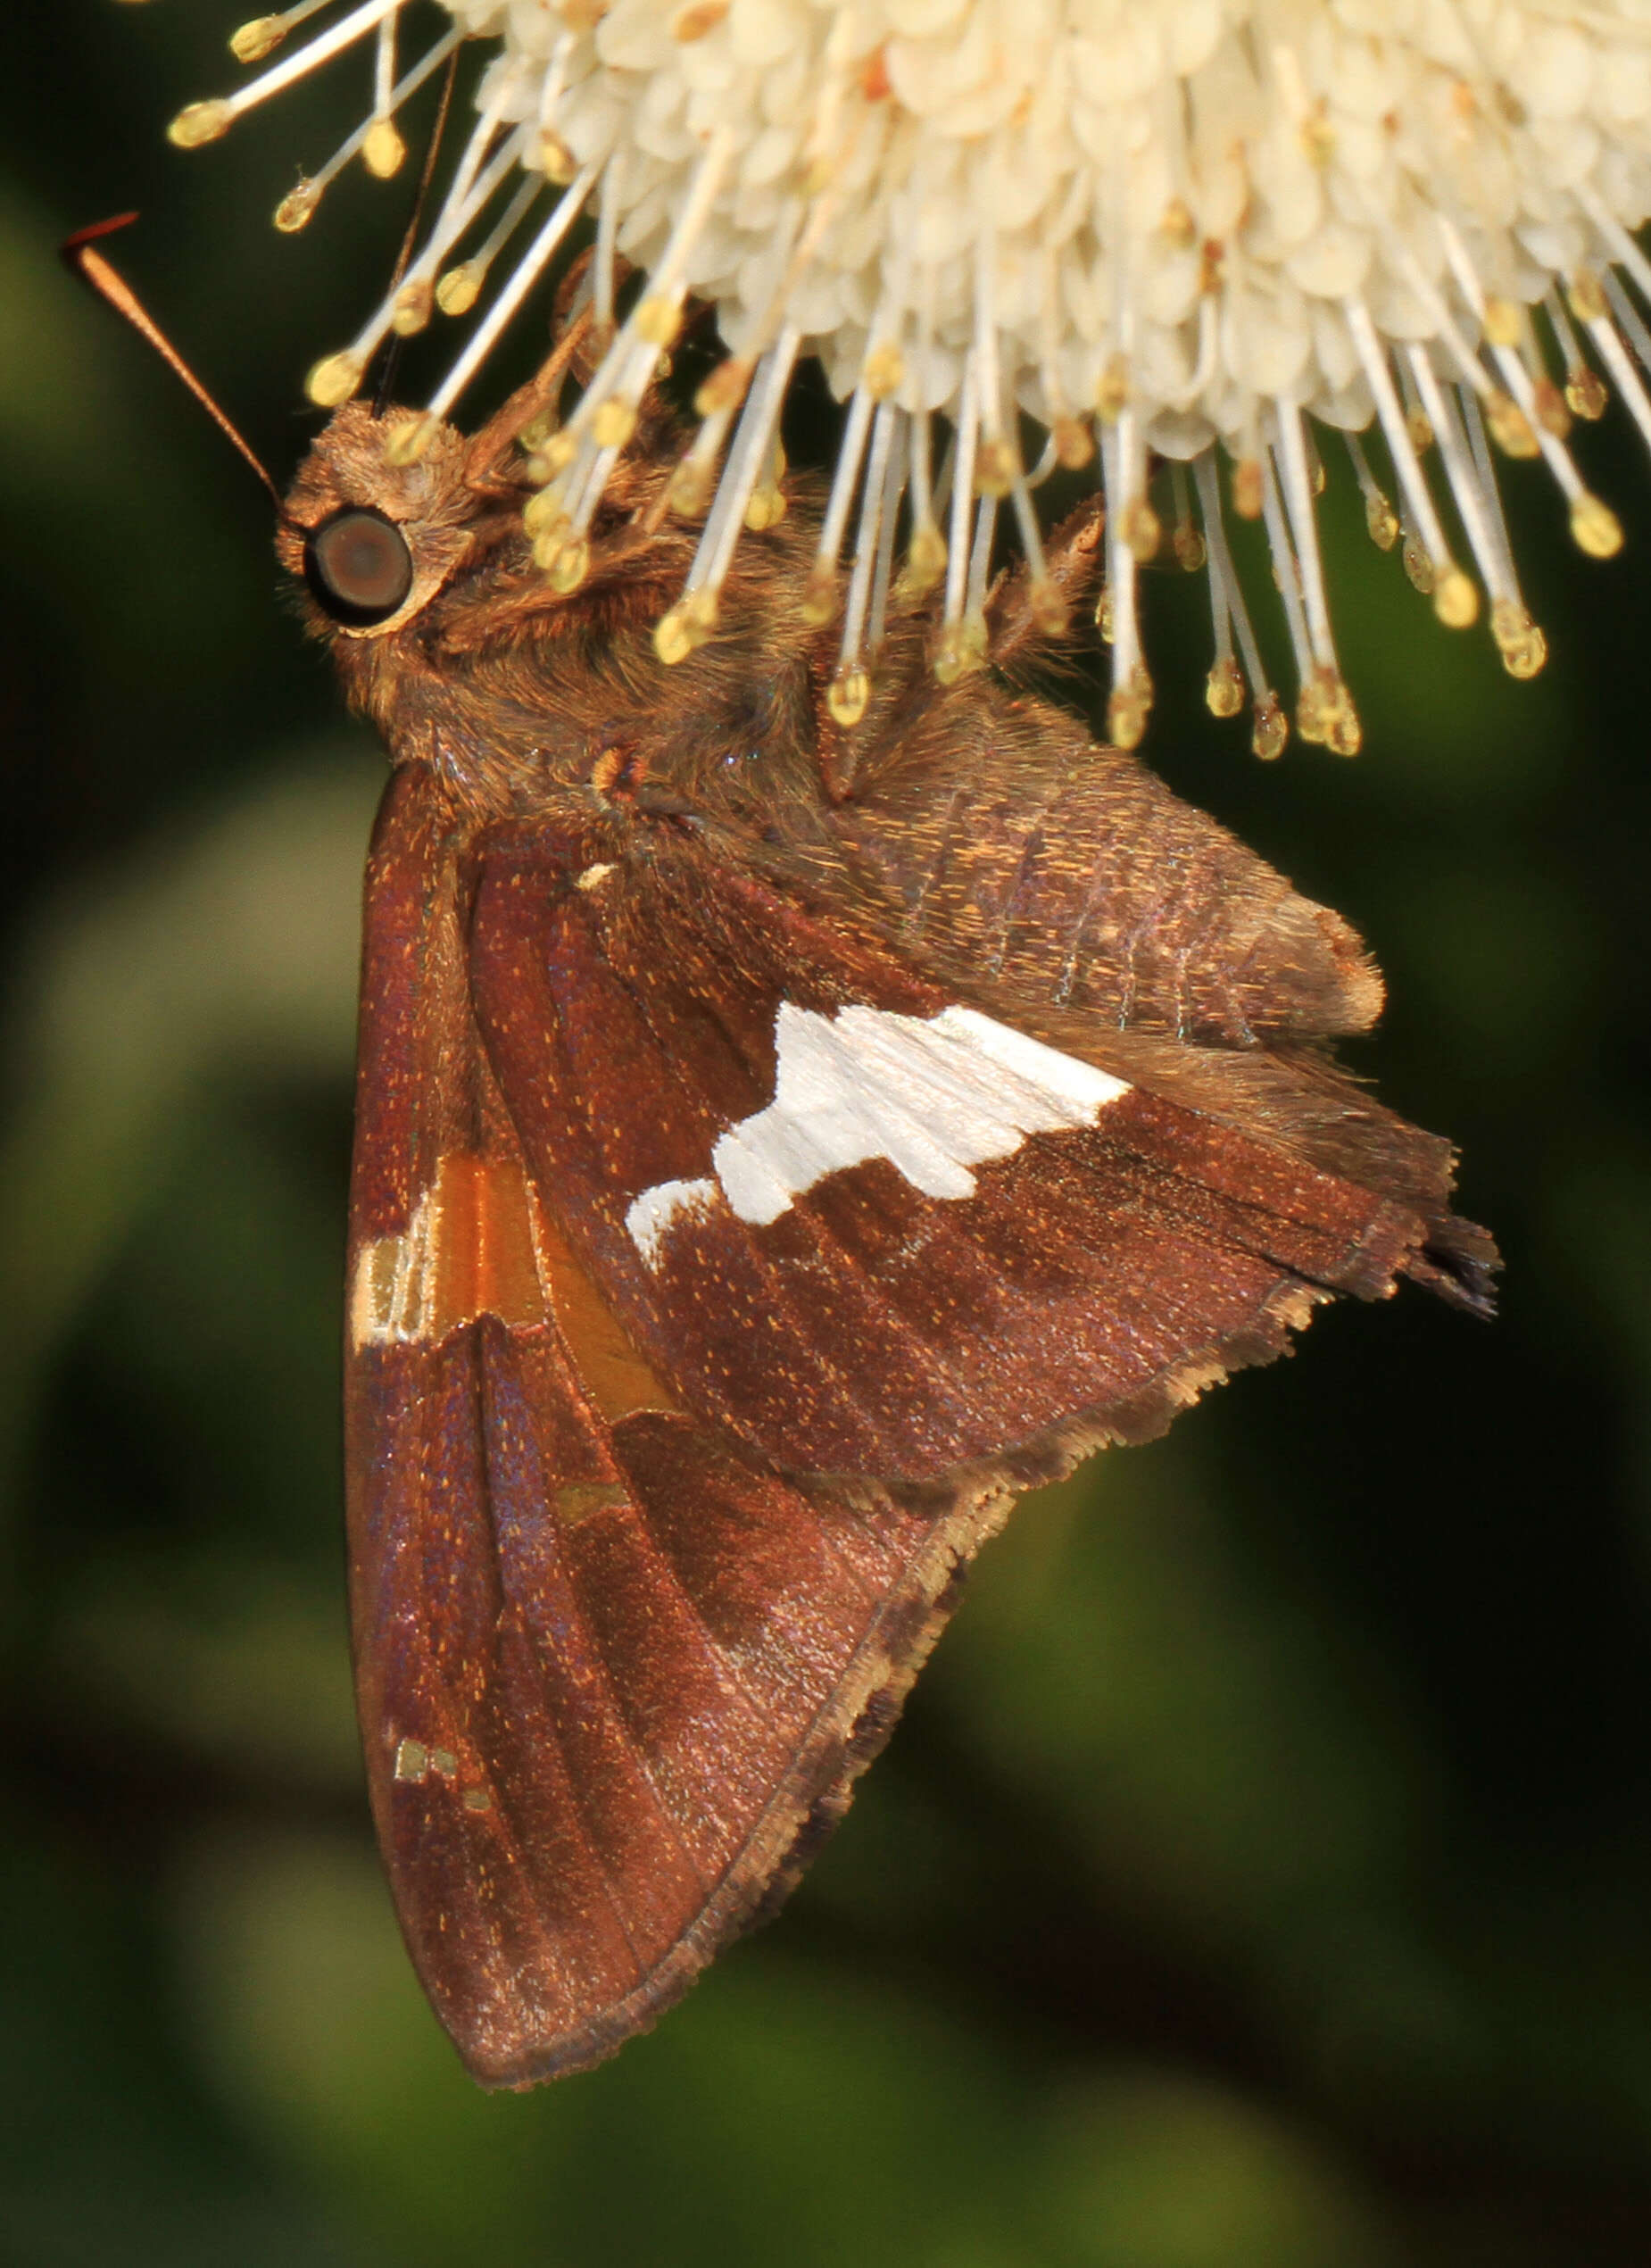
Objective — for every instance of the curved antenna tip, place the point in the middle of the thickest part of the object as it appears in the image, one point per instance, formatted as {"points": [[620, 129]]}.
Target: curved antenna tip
{"points": [[80, 254]]}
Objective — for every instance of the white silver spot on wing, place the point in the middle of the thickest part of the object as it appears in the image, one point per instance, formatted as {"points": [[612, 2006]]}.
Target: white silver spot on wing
{"points": [[394, 1285], [653, 1213], [933, 1095]]}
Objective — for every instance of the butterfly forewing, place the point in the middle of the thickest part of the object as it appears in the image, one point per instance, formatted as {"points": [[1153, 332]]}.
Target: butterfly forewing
{"points": [[610, 1667]]}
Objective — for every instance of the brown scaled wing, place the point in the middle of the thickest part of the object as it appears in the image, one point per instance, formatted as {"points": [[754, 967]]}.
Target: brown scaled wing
{"points": [[647, 1550]]}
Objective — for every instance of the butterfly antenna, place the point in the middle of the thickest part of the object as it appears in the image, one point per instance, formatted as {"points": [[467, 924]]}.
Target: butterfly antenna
{"points": [[80, 256], [415, 221]]}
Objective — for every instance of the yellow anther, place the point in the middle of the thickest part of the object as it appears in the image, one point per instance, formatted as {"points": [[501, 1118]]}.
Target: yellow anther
{"points": [[848, 695], [1587, 294], [690, 488], [1075, 443], [925, 559], [1271, 731], [1527, 658], [1247, 488], [560, 449], [819, 594], [1420, 427], [1223, 688], [1503, 321], [412, 308], [260, 37], [1510, 427], [410, 439], [334, 379], [1103, 613], [1381, 520], [1553, 411], [558, 160], [383, 151], [1128, 710], [766, 507], [1595, 527], [1178, 226], [884, 368], [671, 640], [657, 320], [1325, 714], [953, 657], [544, 514], [200, 122], [1455, 599], [1585, 391], [1140, 527], [1191, 554], [459, 289], [1522, 645], [1346, 735], [570, 566], [613, 425], [995, 468], [1314, 714], [1112, 394], [297, 208], [725, 388], [1418, 566]]}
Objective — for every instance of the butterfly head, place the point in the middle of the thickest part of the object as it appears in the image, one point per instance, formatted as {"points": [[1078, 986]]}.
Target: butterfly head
{"points": [[373, 541]]}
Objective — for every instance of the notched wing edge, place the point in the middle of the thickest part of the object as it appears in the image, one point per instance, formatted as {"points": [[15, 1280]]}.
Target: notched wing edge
{"points": [[966, 1508]]}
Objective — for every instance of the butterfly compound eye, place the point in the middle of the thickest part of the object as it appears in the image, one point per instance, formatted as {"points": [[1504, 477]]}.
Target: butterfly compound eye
{"points": [[357, 566]]}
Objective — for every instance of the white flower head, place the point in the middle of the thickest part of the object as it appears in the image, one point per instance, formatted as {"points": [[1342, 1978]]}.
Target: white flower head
{"points": [[1171, 232]]}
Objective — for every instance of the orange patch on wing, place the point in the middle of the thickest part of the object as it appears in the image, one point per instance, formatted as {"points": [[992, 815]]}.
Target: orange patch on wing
{"points": [[485, 1259], [479, 1243], [467, 1251], [613, 1374]]}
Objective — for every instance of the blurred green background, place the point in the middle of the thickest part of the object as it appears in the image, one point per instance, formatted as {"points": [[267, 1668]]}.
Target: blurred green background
{"points": [[1260, 1874]]}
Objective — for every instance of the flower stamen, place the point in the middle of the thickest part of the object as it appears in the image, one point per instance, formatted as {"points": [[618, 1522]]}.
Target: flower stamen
{"points": [[297, 208], [459, 289], [264, 34], [1456, 601], [527, 272], [206, 122], [1229, 249], [336, 378]]}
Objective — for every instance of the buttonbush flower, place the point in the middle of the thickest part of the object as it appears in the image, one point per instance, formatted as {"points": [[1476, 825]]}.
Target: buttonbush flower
{"points": [[1205, 247]]}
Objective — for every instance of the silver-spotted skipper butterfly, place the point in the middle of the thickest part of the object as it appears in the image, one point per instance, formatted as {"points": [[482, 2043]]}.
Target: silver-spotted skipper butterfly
{"points": [[776, 1146]]}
